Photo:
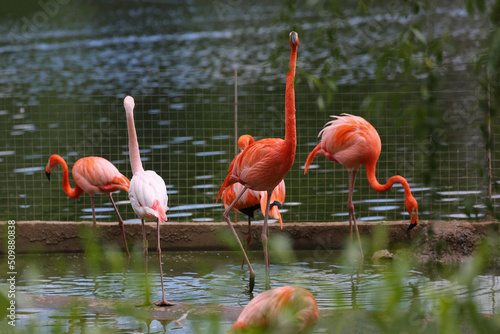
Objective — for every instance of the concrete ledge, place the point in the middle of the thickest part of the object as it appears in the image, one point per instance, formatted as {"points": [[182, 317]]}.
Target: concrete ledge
{"points": [[51, 237]]}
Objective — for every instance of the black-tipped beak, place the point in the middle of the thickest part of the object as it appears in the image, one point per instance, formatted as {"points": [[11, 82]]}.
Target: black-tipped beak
{"points": [[411, 226], [48, 175], [293, 37]]}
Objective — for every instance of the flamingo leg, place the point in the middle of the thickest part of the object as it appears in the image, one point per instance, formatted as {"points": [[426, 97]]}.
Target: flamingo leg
{"points": [[350, 206], [268, 257], [249, 238], [163, 301], [120, 223], [145, 246], [265, 234], [228, 221], [93, 225]]}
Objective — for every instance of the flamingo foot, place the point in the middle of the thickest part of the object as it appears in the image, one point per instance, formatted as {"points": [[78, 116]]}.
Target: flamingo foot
{"points": [[164, 302]]}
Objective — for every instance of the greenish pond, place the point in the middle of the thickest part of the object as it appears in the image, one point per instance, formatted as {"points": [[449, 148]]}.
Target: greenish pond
{"points": [[217, 278], [186, 63]]}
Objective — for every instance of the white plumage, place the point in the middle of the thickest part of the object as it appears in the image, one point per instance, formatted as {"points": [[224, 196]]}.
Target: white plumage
{"points": [[147, 193], [148, 196]]}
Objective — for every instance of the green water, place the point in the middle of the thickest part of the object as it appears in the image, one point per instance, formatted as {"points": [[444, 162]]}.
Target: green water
{"points": [[217, 278], [62, 84]]}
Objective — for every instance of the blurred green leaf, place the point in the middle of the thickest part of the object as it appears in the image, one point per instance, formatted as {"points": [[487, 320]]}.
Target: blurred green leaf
{"points": [[495, 13], [418, 34], [280, 248]]}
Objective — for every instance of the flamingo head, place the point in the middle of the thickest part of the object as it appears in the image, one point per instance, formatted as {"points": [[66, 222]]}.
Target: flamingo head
{"points": [[54, 160], [129, 103], [412, 208], [244, 141], [294, 39]]}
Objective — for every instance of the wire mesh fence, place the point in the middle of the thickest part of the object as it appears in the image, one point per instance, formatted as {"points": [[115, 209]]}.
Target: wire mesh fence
{"points": [[188, 121]]}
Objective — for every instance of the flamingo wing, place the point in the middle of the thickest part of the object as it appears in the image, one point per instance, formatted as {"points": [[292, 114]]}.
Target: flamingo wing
{"points": [[257, 165], [279, 193], [350, 141], [148, 196], [254, 166], [98, 175], [277, 200]]}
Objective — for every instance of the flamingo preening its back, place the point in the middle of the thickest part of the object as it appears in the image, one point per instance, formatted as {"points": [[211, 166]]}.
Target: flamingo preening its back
{"points": [[244, 141], [264, 163], [351, 141], [253, 200], [147, 194], [286, 309], [92, 175]]}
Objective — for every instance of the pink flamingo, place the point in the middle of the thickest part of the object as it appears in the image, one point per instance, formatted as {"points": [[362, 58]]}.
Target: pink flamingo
{"points": [[93, 175], [253, 200], [264, 164], [351, 141], [286, 309], [147, 194]]}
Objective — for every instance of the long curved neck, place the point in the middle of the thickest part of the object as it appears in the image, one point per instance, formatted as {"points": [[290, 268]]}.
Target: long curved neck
{"points": [[70, 192], [290, 130], [372, 179], [133, 145]]}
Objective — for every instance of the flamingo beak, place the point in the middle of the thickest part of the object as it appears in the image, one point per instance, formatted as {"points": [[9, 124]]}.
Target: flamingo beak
{"points": [[414, 220], [293, 38], [48, 175]]}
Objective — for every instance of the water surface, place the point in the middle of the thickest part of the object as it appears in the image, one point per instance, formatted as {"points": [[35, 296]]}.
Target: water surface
{"points": [[217, 278]]}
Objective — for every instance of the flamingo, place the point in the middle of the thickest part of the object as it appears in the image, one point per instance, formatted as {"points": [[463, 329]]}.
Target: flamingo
{"points": [[253, 200], [264, 163], [286, 309], [92, 175], [244, 141], [147, 194], [351, 141]]}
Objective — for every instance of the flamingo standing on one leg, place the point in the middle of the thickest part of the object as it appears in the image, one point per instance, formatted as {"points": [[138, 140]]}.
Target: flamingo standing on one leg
{"points": [[253, 200], [264, 164], [351, 141], [93, 175], [286, 309], [147, 194]]}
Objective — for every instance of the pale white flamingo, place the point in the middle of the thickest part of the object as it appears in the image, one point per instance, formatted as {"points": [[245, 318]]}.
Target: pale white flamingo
{"points": [[147, 194]]}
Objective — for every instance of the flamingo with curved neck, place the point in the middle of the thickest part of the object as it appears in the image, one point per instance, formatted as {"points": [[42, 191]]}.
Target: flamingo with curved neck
{"points": [[351, 141], [93, 175]]}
